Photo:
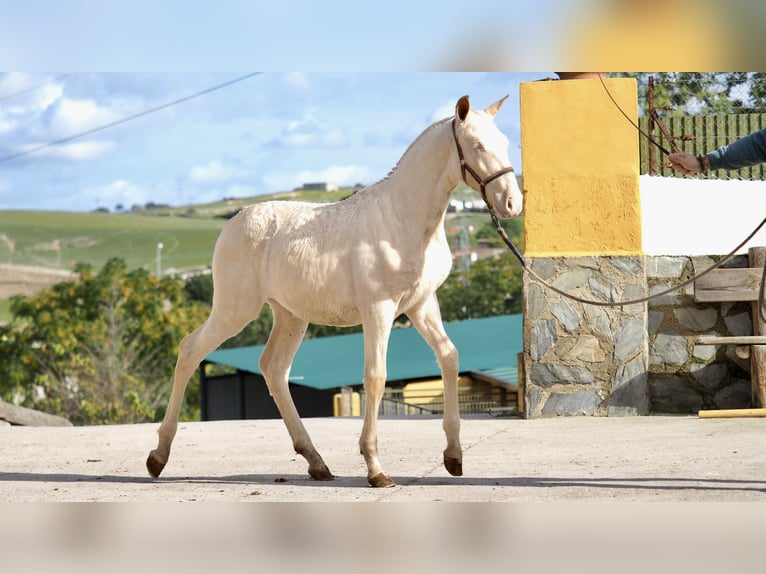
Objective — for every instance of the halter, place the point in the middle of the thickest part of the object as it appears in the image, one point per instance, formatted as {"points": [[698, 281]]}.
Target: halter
{"points": [[465, 167]]}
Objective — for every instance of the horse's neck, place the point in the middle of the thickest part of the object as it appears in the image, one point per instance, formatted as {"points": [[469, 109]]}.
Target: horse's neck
{"points": [[420, 186]]}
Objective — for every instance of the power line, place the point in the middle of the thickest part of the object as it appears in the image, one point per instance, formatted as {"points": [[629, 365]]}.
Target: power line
{"points": [[129, 118], [33, 88]]}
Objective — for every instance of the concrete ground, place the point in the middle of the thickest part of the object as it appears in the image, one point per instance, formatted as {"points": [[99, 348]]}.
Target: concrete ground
{"points": [[656, 458]]}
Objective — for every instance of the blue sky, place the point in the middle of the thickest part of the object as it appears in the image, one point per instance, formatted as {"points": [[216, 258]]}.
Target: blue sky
{"points": [[268, 133], [277, 130]]}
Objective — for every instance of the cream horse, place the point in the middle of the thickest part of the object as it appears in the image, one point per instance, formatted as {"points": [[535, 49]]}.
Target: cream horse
{"points": [[366, 259]]}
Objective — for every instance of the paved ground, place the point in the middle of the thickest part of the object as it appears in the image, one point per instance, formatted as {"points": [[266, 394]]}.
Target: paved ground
{"points": [[506, 459]]}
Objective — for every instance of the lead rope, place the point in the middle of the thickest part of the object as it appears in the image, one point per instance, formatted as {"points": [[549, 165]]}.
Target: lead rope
{"points": [[542, 281], [719, 263], [761, 292], [762, 295], [483, 182]]}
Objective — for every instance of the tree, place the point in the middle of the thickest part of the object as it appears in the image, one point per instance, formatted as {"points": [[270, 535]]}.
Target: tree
{"points": [[100, 349], [490, 287], [513, 227], [713, 92]]}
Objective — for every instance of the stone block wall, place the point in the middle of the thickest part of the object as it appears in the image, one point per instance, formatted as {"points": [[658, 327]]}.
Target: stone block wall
{"points": [[684, 377], [582, 359]]}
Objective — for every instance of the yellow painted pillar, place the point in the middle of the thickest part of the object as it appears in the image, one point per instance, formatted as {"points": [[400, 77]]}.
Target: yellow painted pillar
{"points": [[580, 167], [582, 230]]}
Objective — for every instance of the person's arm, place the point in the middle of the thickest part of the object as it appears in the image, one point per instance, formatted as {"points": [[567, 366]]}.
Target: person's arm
{"points": [[686, 163], [747, 151]]}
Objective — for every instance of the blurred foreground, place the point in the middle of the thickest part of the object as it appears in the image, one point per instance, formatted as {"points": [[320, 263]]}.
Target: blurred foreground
{"points": [[536, 495]]}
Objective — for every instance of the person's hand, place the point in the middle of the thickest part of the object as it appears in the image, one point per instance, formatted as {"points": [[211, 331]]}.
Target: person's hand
{"points": [[685, 163]]}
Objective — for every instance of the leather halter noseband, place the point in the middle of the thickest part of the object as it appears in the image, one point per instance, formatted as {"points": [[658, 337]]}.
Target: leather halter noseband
{"points": [[465, 167]]}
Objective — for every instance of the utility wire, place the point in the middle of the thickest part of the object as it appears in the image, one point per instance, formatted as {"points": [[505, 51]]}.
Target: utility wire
{"points": [[33, 88], [127, 119]]}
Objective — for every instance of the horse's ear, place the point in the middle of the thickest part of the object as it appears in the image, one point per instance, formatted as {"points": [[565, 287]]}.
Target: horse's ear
{"points": [[462, 107], [494, 108]]}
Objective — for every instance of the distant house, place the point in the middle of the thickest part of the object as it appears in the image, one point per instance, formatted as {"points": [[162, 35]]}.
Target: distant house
{"points": [[455, 206], [321, 186], [329, 370]]}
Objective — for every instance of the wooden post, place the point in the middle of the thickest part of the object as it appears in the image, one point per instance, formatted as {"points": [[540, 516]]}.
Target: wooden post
{"points": [[732, 413], [757, 258]]}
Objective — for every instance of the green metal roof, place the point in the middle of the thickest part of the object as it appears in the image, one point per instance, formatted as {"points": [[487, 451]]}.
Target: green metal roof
{"points": [[486, 345]]}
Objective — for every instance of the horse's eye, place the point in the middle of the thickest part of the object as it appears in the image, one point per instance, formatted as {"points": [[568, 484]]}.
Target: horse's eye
{"points": [[478, 146]]}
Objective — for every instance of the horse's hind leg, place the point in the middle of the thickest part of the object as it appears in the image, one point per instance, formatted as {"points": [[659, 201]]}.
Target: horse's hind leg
{"points": [[276, 359], [377, 330], [194, 347], [427, 320]]}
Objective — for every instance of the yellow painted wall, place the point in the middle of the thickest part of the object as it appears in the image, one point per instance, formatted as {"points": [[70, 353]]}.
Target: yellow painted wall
{"points": [[580, 166]]}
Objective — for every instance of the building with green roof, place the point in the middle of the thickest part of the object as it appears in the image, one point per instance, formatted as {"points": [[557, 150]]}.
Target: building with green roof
{"points": [[488, 350]]}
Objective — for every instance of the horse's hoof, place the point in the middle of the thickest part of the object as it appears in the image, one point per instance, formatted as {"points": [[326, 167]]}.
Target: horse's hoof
{"points": [[381, 480], [453, 465], [154, 465], [321, 472]]}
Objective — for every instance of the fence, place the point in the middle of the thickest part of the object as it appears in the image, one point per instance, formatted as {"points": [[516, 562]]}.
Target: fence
{"points": [[398, 402], [698, 135], [698, 112]]}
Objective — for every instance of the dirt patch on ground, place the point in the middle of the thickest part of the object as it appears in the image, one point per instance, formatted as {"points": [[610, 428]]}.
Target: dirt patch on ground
{"points": [[28, 280]]}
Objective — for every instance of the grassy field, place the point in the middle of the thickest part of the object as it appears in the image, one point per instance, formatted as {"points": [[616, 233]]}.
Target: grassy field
{"points": [[62, 239], [188, 234]]}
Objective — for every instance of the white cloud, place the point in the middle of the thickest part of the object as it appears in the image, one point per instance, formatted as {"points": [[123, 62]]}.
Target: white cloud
{"points": [[47, 95], [213, 171], [308, 131], [445, 111], [77, 151], [298, 81], [7, 124], [343, 175], [14, 83], [127, 193], [25, 111], [73, 116], [117, 192]]}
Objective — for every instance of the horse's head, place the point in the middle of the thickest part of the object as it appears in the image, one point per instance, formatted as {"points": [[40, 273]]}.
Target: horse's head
{"points": [[483, 153]]}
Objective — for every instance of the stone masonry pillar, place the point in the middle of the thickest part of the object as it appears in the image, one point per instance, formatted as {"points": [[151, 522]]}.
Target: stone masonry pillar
{"points": [[582, 230]]}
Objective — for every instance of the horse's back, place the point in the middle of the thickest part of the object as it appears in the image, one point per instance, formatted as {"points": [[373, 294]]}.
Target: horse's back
{"points": [[293, 253], [326, 262]]}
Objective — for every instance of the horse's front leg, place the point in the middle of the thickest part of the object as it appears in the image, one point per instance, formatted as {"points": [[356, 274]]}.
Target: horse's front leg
{"points": [[377, 329], [427, 320]]}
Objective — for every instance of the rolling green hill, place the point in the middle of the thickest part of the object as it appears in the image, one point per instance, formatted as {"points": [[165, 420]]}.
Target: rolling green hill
{"points": [[59, 240], [62, 239]]}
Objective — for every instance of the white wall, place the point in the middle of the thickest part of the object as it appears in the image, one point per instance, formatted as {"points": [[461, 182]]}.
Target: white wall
{"points": [[689, 216]]}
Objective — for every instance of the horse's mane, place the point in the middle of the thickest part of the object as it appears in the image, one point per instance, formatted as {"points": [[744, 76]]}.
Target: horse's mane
{"points": [[428, 130]]}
